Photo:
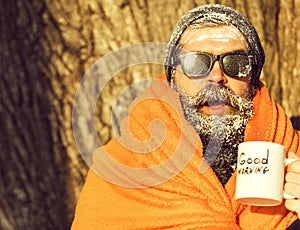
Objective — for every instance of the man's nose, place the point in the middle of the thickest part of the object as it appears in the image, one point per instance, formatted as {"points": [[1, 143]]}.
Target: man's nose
{"points": [[216, 75]]}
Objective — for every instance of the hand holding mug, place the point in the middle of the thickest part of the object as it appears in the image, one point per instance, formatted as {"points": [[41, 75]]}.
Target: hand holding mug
{"points": [[292, 183]]}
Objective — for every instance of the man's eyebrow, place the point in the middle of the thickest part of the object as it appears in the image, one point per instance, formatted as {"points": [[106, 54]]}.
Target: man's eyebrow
{"points": [[240, 50], [231, 51]]}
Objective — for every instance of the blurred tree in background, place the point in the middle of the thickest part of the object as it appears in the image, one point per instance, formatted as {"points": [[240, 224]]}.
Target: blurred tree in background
{"points": [[46, 48]]}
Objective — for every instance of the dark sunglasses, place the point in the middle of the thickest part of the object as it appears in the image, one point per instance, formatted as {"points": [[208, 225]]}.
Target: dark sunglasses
{"points": [[198, 64]]}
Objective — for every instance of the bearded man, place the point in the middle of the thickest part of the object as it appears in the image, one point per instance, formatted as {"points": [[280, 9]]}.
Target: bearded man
{"points": [[215, 101]]}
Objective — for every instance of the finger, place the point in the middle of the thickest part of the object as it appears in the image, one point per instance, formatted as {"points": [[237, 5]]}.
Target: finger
{"points": [[294, 167], [293, 205], [292, 177], [293, 155], [292, 189]]}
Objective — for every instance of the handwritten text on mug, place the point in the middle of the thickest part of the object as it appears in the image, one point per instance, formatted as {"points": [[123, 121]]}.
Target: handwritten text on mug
{"points": [[257, 165]]}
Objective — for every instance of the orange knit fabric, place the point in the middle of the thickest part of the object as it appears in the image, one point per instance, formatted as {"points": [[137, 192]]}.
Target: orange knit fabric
{"points": [[190, 199]]}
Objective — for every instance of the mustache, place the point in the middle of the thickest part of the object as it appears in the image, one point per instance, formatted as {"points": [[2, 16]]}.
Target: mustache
{"points": [[213, 95]]}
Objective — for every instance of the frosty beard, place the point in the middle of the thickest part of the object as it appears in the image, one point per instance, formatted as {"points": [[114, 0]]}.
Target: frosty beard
{"points": [[220, 134]]}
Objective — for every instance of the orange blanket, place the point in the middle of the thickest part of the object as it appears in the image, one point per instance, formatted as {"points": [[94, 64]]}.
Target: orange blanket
{"points": [[164, 188]]}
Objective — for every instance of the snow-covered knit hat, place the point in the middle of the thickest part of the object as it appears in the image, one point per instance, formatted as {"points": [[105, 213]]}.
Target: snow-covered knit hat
{"points": [[218, 15]]}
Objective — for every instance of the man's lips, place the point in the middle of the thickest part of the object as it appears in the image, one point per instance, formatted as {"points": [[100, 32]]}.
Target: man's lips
{"points": [[215, 103], [214, 107]]}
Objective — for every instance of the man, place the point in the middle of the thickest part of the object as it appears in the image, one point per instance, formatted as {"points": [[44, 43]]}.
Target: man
{"points": [[187, 180]]}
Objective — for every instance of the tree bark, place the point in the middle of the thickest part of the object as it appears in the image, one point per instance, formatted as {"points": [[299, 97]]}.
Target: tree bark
{"points": [[35, 190], [48, 46]]}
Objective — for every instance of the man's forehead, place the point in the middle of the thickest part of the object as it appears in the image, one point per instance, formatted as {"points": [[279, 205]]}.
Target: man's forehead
{"points": [[217, 33]]}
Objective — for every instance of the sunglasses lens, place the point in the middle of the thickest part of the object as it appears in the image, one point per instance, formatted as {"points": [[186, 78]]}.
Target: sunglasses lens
{"points": [[236, 65], [195, 64]]}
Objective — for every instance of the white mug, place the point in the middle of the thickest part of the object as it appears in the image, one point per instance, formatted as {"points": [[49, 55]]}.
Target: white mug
{"points": [[260, 173]]}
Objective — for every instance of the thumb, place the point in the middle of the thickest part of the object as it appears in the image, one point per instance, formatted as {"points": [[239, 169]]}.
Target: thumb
{"points": [[292, 155]]}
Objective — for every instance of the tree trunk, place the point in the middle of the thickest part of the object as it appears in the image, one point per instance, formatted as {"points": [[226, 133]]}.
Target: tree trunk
{"points": [[48, 46]]}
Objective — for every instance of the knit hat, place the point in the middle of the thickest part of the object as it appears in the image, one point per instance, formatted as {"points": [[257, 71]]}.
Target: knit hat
{"points": [[218, 15]]}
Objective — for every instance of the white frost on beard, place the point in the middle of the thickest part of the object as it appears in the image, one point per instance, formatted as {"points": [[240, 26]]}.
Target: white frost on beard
{"points": [[220, 134]]}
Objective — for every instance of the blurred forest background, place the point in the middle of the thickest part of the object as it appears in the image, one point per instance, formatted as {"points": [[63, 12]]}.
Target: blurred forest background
{"points": [[46, 48]]}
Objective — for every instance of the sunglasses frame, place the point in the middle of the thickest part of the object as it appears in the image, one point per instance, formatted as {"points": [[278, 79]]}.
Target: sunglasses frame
{"points": [[213, 58]]}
